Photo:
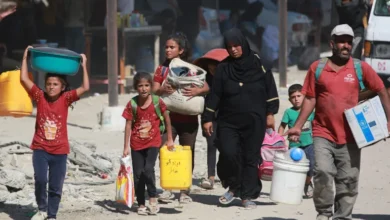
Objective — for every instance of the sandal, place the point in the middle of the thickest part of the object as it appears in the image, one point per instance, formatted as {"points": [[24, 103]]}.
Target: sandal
{"points": [[153, 208], [165, 196], [207, 184], [184, 198], [227, 198], [248, 205], [142, 211], [308, 190]]}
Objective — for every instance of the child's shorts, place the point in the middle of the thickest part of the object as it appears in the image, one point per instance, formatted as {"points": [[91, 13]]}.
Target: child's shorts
{"points": [[309, 151]]}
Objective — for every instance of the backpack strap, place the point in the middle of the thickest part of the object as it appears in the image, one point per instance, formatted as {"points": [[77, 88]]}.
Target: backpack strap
{"points": [[359, 72], [134, 106], [156, 103], [321, 64]]}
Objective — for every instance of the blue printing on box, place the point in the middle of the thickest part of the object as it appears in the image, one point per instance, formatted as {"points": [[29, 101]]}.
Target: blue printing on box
{"points": [[364, 126]]}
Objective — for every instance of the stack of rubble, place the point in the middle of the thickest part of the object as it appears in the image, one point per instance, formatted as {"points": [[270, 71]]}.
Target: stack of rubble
{"points": [[85, 168]]}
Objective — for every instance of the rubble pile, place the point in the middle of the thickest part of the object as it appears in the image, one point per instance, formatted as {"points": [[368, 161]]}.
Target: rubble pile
{"points": [[85, 168]]}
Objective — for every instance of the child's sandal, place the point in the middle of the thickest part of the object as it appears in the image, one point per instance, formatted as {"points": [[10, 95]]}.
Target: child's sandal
{"points": [[154, 209], [142, 211], [185, 199], [207, 184]]}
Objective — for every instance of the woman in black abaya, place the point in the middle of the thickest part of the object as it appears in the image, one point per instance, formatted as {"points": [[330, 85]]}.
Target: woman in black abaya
{"points": [[246, 96]]}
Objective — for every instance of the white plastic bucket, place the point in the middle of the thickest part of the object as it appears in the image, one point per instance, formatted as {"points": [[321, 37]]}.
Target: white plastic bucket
{"points": [[288, 179]]}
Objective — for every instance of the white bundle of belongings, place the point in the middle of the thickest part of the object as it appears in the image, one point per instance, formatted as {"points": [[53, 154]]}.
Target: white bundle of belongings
{"points": [[182, 75]]}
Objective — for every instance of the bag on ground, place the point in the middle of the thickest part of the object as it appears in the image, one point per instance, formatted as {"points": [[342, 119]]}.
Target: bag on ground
{"points": [[273, 143], [125, 183], [181, 75]]}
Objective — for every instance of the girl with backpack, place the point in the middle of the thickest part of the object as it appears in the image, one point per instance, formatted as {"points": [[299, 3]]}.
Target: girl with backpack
{"points": [[145, 117]]}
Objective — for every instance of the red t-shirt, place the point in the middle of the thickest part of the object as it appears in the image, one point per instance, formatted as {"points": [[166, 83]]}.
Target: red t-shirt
{"points": [[51, 133], [334, 93], [160, 75], [146, 128]]}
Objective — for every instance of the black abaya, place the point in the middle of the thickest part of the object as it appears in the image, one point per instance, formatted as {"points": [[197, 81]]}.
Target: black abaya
{"points": [[243, 93]]}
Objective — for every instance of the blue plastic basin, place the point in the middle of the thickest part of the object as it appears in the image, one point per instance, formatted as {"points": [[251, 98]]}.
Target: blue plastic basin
{"points": [[54, 60]]}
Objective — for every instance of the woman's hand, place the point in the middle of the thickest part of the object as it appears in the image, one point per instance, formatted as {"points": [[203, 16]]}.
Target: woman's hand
{"points": [[208, 128], [271, 121]]}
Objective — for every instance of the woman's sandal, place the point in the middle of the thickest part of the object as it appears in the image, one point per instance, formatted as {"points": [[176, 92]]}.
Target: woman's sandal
{"points": [[153, 208], [185, 199], [207, 184], [308, 190], [142, 211], [226, 198], [248, 205]]}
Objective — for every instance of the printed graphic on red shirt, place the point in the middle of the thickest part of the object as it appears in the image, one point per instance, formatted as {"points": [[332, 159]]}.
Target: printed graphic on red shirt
{"points": [[145, 131], [51, 132]]}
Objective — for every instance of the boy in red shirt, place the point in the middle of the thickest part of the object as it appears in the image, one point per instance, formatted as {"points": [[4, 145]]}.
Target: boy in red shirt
{"points": [[143, 136], [50, 144]]}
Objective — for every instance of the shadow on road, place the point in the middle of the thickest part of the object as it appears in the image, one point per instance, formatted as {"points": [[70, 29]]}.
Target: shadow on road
{"points": [[372, 216]]}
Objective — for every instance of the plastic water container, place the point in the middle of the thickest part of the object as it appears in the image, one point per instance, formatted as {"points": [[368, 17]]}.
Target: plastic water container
{"points": [[289, 176], [176, 168], [14, 99]]}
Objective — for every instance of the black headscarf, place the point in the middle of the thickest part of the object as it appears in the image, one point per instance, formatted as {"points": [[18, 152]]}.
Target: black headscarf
{"points": [[247, 68]]}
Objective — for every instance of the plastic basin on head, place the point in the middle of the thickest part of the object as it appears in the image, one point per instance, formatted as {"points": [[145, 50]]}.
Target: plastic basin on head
{"points": [[54, 60]]}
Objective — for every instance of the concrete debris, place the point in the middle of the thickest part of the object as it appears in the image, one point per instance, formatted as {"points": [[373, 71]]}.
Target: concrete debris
{"points": [[4, 194], [82, 156], [14, 161], [12, 178]]}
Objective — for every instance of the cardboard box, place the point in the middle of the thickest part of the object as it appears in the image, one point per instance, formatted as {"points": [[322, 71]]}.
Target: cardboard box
{"points": [[368, 122]]}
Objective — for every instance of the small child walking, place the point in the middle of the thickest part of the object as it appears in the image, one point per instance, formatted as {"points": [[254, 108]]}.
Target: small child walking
{"points": [[143, 116], [306, 140], [50, 144]]}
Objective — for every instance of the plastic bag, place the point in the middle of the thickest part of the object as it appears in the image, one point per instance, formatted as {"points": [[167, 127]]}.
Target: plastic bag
{"points": [[125, 183]]}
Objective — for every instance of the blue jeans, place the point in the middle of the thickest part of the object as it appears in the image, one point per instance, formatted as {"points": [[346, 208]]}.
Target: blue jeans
{"points": [[309, 151], [56, 165]]}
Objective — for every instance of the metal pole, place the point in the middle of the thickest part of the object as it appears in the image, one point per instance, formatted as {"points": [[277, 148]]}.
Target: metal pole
{"points": [[112, 53], [282, 43]]}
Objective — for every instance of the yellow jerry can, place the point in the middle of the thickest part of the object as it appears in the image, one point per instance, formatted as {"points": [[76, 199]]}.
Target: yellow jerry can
{"points": [[14, 99], [176, 168]]}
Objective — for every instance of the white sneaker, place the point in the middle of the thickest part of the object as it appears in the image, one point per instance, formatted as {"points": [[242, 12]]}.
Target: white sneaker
{"points": [[39, 216]]}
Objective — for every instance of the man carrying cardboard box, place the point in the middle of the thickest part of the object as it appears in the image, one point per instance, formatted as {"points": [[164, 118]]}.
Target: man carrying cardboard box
{"points": [[332, 86]]}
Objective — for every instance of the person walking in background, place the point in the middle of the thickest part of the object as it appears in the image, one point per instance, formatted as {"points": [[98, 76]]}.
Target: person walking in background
{"points": [[246, 98], [332, 86], [352, 12], [305, 141], [209, 62]]}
